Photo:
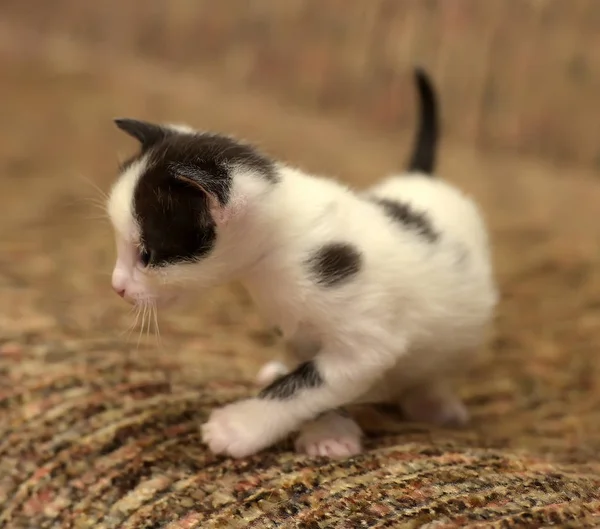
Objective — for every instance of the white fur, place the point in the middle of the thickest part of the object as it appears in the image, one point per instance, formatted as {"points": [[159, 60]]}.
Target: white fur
{"points": [[416, 310], [270, 372], [331, 435], [126, 275]]}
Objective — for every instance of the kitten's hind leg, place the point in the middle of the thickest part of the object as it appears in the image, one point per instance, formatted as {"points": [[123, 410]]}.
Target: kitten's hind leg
{"points": [[434, 402], [333, 434]]}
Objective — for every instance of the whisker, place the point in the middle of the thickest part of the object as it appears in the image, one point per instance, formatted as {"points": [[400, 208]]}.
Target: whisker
{"points": [[133, 325], [137, 309], [95, 208], [94, 201], [143, 325], [138, 315], [148, 325], [100, 201], [151, 325], [102, 218], [100, 213], [157, 328], [94, 186]]}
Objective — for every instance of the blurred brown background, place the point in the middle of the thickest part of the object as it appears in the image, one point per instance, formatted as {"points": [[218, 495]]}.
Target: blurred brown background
{"points": [[521, 75], [325, 84]]}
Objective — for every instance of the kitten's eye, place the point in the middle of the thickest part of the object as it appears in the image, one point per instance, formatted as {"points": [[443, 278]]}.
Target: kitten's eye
{"points": [[145, 257]]}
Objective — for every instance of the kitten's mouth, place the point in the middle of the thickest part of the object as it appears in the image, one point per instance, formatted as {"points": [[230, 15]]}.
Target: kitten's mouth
{"points": [[131, 301]]}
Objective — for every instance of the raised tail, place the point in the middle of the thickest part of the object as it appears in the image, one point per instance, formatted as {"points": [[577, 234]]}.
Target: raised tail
{"points": [[423, 157]]}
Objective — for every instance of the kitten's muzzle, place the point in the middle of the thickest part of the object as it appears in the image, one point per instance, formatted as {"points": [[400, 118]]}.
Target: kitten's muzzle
{"points": [[123, 293], [120, 285]]}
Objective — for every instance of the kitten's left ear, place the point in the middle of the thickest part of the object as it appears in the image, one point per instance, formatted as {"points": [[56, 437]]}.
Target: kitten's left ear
{"points": [[221, 208], [146, 133]]}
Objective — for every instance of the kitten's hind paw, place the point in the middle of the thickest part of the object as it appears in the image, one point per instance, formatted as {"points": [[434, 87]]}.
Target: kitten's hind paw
{"points": [[331, 435], [435, 405]]}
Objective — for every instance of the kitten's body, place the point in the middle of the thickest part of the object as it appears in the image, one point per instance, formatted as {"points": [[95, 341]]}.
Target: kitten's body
{"points": [[403, 277], [381, 293]]}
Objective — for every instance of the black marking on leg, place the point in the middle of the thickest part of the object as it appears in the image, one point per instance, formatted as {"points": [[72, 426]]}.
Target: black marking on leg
{"points": [[305, 376], [405, 215], [335, 263]]}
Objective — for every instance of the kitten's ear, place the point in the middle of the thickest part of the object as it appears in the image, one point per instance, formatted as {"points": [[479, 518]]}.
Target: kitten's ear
{"points": [[146, 133], [221, 208]]}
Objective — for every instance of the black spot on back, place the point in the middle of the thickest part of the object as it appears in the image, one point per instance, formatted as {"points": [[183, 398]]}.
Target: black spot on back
{"points": [[305, 376], [174, 217], [410, 219], [335, 263]]}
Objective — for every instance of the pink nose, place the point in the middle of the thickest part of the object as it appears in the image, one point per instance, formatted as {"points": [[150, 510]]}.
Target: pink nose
{"points": [[120, 291]]}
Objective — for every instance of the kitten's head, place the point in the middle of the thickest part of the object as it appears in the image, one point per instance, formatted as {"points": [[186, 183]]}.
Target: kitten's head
{"points": [[177, 209]]}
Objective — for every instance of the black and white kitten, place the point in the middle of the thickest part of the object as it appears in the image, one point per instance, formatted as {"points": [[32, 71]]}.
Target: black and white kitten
{"points": [[380, 293]]}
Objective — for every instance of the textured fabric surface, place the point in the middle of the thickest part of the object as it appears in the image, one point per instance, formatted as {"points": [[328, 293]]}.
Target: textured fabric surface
{"points": [[99, 429]]}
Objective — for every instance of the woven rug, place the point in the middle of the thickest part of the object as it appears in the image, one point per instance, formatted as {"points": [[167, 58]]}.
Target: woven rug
{"points": [[99, 429]]}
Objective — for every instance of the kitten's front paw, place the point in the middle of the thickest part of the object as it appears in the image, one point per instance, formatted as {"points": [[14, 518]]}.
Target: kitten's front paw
{"points": [[331, 435], [239, 429]]}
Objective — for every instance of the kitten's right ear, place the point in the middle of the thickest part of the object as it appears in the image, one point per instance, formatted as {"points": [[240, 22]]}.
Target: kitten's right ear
{"points": [[146, 133]]}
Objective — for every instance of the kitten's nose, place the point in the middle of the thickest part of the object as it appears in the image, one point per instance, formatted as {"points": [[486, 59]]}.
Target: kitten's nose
{"points": [[119, 281]]}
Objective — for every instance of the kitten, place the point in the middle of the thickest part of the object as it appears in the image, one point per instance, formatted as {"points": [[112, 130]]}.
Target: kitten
{"points": [[381, 294]]}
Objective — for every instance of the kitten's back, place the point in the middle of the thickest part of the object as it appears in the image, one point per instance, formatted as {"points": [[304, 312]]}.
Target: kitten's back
{"points": [[449, 210]]}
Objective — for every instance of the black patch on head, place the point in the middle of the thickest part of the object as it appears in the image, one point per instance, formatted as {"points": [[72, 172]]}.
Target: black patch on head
{"points": [[174, 218], [173, 213], [335, 263], [410, 219], [305, 376]]}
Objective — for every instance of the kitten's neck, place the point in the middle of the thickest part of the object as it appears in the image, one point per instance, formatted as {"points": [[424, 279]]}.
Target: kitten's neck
{"points": [[282, 222]]}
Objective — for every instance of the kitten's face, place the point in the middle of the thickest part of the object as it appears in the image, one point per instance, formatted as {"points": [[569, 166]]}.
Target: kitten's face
{"points": [[167, 207]]}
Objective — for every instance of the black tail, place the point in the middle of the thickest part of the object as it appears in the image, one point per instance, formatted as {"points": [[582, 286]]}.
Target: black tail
{"points": [[423, 157]]}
